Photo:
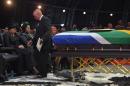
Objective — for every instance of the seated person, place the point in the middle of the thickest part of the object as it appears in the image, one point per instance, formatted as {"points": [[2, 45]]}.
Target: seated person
{"points": [[128, 26], [1, 38], [12, 39], [74, 27], [26, 35], [54, 30], [120, 25], [110, 26]]}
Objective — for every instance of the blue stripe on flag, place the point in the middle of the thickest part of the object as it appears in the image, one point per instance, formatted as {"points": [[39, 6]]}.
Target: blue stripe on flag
{"points": [[74, 40]]}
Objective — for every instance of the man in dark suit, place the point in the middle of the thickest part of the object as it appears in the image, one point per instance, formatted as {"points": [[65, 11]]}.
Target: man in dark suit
{"points": [[24, 61], [42, 43]]}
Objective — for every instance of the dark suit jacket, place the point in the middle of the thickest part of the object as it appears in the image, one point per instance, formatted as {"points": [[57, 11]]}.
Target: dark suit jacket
{"points": [[1, 39], [11, 41], [43, 31]]}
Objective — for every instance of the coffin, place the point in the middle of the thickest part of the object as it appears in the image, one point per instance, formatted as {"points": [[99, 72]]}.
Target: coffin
{"points": [[106, 42]]}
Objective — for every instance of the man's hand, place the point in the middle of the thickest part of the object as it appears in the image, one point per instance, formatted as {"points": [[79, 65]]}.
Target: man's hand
{"points": [[21, 47], [29, 43]]}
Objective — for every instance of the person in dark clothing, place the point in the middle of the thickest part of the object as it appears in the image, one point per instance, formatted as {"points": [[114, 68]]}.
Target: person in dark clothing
{"points": [[26, 35], [13, 39], [54, 30], [74, 28], [110, 26], [42, 43], [120, 25], [54, 64], [27, 38], [1, 38], [3, 77], [128, 26]]}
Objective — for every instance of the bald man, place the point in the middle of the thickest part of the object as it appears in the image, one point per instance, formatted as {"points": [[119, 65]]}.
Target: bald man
{"points": [[41, 55]]}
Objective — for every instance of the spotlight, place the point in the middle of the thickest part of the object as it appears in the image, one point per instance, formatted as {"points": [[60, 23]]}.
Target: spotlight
{"points": [[84, 13], [39, 7], [9, 2], [64, 11], [111, 14], [62, 25]]}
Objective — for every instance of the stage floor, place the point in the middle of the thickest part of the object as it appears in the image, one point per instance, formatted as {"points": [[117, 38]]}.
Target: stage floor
{"points": [[52, 80]]}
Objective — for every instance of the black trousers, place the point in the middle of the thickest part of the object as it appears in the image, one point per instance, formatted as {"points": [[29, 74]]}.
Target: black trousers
{"points": [[2, 65], [25, 61], [42, 61]]}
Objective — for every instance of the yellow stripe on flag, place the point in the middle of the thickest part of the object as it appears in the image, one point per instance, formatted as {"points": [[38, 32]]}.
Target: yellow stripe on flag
{"points": [[126, 31]]}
